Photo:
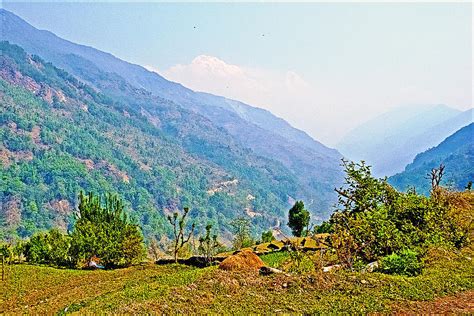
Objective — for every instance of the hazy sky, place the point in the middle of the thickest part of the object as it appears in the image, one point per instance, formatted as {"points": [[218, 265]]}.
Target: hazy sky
{"points": [[323, 67]]}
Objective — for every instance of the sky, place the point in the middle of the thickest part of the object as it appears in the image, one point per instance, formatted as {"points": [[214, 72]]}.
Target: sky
{"points": [[324, 67]]}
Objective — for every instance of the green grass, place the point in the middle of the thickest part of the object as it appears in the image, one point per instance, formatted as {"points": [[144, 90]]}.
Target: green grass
{"points": [[275, 259], [182, 289]]}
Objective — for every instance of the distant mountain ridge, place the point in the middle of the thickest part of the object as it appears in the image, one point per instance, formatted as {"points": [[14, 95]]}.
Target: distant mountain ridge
{"points": [[315, 165], [59, 136], [456, 153], [47, 45], [390, 141]]}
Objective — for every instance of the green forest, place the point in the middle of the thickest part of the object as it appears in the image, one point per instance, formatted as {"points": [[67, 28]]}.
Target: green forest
{"points": [[60, 136]]}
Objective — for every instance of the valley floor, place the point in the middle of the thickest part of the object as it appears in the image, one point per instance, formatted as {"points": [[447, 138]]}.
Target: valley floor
{"points": [[446, 285]]}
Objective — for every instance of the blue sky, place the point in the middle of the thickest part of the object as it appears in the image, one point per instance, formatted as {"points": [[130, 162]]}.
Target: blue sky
{"points": [[315, 64]]}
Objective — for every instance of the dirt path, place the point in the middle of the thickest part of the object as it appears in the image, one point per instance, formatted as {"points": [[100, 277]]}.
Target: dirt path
{"points": [[460, 303]]}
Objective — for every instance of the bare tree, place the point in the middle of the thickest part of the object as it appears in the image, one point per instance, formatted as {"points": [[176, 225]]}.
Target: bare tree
{"points": [[436, 175], [179, 227]]}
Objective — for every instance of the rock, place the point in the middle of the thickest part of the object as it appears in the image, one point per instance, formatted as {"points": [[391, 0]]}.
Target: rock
{"points": [[371, 267], [245, 260], [330, 268], [269, 270]]}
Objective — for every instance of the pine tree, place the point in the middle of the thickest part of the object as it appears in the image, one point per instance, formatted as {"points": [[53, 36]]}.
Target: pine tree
{"points": [[103, 230]]}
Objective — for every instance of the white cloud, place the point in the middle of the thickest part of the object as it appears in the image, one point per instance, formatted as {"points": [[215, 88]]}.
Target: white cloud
{"points": [[251, 85], [285, 93]]}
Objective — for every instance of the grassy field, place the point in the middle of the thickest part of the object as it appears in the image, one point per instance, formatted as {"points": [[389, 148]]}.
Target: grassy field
{"points": [[182, 289]]}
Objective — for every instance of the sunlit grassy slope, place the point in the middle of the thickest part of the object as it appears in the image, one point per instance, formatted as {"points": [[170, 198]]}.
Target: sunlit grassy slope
{"points": [[177, 288]]}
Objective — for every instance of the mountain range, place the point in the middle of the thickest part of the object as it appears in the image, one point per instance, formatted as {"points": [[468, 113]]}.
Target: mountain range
{"points": [[390, 141], [456, 153], [76, 118]]}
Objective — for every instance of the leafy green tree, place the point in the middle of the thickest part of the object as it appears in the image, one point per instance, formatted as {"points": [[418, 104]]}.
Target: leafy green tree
{"points": [[102, 229], [5, 251], [179, 235], [362, 191], [298, 219], [18, 251], [267, 236]]}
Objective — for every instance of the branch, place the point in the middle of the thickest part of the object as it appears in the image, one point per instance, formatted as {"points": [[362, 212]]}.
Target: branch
{"points": [[345, 195]]}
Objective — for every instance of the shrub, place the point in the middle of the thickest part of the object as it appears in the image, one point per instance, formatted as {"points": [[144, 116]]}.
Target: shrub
{"points": [[48, 248], [374, 220], [267, 236], [325, 227], [405, 262], [208, 244]]}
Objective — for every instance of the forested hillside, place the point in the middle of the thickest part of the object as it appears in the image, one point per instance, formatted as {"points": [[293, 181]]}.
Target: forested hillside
{"points": [[315, 167], [60, 136], [456, 153]]}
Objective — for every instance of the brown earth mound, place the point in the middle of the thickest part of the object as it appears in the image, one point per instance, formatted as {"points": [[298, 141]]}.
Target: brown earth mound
{"points": [[243, 261]]}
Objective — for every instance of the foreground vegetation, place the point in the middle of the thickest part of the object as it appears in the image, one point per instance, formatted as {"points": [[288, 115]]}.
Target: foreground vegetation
{"points": [[183, 289]]}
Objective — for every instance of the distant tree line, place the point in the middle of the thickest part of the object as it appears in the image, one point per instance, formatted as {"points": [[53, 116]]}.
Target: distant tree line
{"points": [[102, 230], [373, 222]]}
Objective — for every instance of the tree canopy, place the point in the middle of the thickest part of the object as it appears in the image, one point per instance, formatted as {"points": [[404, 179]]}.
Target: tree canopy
{"points": [[298, 219]]}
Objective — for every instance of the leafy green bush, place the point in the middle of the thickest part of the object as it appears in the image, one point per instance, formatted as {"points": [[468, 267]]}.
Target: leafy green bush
{"points": [[208, 244], [406, 262], [49, 248], [267, 236], [375, 220], [324, 227]]}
